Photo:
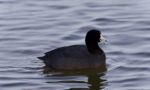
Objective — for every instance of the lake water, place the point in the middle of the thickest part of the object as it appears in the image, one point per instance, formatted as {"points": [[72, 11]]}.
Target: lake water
{"points": [[31, 27]]}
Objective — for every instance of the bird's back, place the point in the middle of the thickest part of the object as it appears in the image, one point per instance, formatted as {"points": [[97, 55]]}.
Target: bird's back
{"points": [[73, 57]]}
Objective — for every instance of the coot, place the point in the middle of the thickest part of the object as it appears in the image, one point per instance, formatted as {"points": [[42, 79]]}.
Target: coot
{"points": [[75, 57]]}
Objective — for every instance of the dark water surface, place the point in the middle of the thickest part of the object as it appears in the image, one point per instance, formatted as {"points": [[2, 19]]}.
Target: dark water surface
{"points": [[31, 27]]}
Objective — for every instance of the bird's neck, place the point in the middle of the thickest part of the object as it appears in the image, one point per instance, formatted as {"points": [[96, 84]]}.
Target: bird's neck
{"points": [[93, 48]]}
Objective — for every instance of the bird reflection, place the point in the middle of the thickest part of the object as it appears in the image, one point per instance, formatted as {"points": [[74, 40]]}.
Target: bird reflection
{"points": [[94, 82]]}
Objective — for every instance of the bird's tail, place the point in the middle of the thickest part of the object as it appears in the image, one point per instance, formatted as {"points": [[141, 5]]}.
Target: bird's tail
{"points": [[42, 58]]}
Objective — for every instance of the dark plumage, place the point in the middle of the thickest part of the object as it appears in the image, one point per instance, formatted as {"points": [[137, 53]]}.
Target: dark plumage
{"points": [[89, 56]]}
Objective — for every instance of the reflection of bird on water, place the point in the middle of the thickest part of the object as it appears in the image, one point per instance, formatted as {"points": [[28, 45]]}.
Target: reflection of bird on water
{"points": [[94, 82]]}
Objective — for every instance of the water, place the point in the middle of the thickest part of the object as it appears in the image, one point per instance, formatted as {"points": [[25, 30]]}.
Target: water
{"points": [[31, 27]]}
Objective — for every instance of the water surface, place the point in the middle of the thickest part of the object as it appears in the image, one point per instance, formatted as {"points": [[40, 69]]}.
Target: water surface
{"points": [[31, 27]]}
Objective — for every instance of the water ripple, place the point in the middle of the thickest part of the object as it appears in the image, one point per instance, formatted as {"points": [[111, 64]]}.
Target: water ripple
{"points": [[31, 27]]}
